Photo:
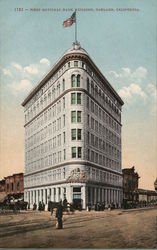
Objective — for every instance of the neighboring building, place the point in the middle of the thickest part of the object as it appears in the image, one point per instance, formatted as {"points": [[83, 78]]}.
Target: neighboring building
{"points": [[147, 195], [73, 135], [14, 185], [2, 185], [130, 185], [155, 185]]}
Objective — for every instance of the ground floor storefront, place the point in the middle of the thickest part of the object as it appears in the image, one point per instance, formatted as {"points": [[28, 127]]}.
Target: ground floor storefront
{"points": [[74, 192]]}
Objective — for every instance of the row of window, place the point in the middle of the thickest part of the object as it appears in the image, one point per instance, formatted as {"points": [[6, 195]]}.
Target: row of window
{"points": [[51, 175], [102, 145], [101, 97], [102, 130], [61, 174], [103, 176], [51, 83], [47, 161], [50, 96], [56, 109], [102, 115], [100, 159], [45, 147], [41, 135]]}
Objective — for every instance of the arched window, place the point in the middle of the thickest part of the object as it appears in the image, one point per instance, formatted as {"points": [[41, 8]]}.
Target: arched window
{"points": [[78, 80], [73, 81]]}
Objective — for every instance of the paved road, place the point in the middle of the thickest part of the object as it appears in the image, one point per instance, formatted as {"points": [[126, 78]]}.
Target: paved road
{"points": [[108, 229]]}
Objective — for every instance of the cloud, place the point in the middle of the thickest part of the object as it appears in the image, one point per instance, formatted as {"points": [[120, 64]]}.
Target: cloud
{"points": [[115, 74], [6, 72], [21, 86], [17, 66], [137, 75], [22, 77], [140, 72], [31, 69], [131, 91], [45, 61], [126, 72]]}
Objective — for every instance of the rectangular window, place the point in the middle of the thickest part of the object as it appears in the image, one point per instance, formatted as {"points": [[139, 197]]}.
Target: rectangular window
{"points": [[64, 154], [75, 63], [73, 134], [73, 98], [78, 80], [73, 152], [63, 84], [63, 120], [63, 137], [64, 174], [73, 116], [79, 153], [78, 116], [68, 64], [88, 120], [79, 134], [63, 102], [78, 98]]}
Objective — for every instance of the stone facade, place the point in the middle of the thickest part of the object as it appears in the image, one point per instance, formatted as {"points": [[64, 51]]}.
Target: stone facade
{"points": [[73, 135]]}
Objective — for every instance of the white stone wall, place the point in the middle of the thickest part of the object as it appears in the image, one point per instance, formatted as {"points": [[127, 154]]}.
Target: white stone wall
{"points": [[39, 135]]}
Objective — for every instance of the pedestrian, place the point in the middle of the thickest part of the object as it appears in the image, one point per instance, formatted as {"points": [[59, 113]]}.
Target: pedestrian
{"points": [[59, 215]]}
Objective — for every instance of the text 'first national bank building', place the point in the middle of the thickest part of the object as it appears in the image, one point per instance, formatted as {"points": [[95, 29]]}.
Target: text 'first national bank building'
{"points": [[73, 135]]}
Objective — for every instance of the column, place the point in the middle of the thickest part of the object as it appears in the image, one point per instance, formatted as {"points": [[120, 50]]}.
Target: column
{"points": [[69, 194], [52, 196], [40, 198], [98, 194], [106, 197], [95, 196], [111, 195], [57, 194], [25, 196], [31, 197], [103, 193], [37, 197], [62, 193], [84, 196], [49, 194]]}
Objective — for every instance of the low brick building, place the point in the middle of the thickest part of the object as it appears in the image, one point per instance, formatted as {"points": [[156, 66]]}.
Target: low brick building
{"points": [[2, 185], [13, 185]]}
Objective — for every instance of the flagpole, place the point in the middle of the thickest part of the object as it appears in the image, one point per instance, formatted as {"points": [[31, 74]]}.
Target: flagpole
{"points": [[75, 28]]}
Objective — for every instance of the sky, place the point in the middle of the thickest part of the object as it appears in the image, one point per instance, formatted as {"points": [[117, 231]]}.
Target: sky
{"points": [[119, 36]]}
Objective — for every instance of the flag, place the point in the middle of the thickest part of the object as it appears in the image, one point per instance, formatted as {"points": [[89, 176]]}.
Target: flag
{"points": [[68, 22]]}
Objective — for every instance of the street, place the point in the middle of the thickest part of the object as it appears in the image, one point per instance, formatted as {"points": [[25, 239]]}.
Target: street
{"points": [[107, 229]]}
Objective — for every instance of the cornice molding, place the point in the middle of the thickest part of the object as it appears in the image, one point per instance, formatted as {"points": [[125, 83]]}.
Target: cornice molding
{"points": [[60, 63]]}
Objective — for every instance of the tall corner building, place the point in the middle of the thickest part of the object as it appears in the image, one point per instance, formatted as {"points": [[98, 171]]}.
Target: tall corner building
{"points": [[73, 135]]}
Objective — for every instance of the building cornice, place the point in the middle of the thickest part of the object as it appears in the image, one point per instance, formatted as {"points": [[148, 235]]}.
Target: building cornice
{"points": [[67, 57], [87, 163], [90, 182]]}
